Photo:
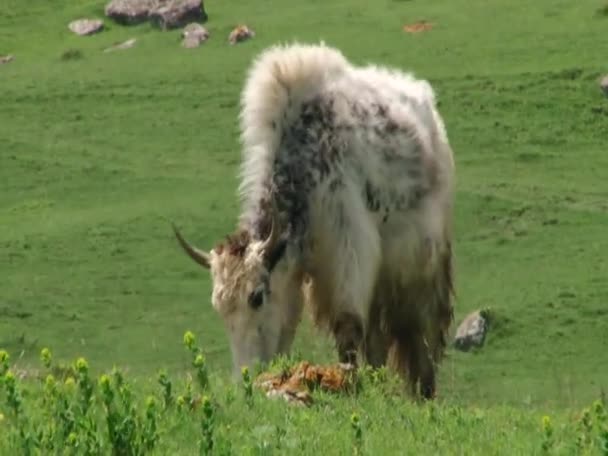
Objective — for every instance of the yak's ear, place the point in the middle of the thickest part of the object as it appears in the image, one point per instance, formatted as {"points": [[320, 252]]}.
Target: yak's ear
{"points": [[276, 253]]}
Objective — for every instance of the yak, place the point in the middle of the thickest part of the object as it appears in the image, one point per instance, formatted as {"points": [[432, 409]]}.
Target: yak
{"points": [[346, 187]]}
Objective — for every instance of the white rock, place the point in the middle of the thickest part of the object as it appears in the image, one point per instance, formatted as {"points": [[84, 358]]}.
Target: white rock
{"points": [[472, 331], [193, 35], [604, 85], [125, 45], [6, 59], [129, 12], [172, 14], [84, 27]]}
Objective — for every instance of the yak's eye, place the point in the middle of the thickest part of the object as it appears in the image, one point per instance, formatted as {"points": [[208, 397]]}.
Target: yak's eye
{"points": [[256, 298]]}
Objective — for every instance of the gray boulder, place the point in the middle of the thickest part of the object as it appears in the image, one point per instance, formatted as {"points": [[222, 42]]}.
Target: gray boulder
{"points": [[6, 59], [604, 85], [130, 12], [193, 35], [171, 14], [472, 331], [84, 27]]}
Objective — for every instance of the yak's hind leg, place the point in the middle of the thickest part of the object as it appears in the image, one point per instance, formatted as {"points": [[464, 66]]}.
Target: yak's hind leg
{"points": [[377, 338], [421, 317], [347, 256], [410, 356]]}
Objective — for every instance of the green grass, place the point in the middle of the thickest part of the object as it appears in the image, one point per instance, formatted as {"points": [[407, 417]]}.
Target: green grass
{"points": [[69, 412], [98, 151]]}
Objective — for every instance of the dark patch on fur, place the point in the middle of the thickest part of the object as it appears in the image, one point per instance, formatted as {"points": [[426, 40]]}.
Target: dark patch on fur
{"points": [[335, 184], [236, 243], [275, 255], [381, 110], [261, 226], [311, 149], [256, 298], [372, 197], [391, 127], [389, 201], [308, 154], [359, 111]]}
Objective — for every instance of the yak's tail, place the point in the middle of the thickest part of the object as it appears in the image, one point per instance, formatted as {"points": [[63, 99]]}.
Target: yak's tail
{"points": [[279, 79]]}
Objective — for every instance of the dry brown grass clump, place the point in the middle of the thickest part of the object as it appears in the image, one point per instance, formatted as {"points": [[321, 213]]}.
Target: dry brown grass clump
{"points": [[296, 384]]}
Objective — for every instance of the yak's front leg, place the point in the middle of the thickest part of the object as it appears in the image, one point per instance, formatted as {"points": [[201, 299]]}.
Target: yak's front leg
{"points": [[352, 261], [348, 333]]}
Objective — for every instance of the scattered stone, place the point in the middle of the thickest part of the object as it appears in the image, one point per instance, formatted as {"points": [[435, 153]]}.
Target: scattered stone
{"points": [[6, 59], [418, 27], [84, 27], [240, 33], [193, 35], [171, 14], [604, 85], [472, 331], [125, 45], [130, 12]]}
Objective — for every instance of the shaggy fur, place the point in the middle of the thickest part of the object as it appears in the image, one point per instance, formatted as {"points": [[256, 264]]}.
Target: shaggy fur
{"points": [[346, 186]]}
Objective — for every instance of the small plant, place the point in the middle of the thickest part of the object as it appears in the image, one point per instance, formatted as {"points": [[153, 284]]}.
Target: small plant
{"points": [[602, 11], [85, 385], [150, 432], [355, 424], [547, 428], [601, 419], [13, 395], [584, 428], [198, 360], [189, 399], [201, 371], [207, 427], [600, 412], [247, 386], [4, 359], [189, 340], [122, 420], [165, 383], [46, 357]]}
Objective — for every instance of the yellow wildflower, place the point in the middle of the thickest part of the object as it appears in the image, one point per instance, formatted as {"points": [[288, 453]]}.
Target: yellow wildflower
{"points": [[189, 339]]}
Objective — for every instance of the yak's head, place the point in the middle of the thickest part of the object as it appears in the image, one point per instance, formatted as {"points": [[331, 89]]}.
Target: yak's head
{"points": [[253, 293]]}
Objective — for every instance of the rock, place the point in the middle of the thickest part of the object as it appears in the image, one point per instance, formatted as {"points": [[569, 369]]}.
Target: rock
{"points": [[194, 34], [129, 12], [472, 331], [172, 14], [240, 33], [604, 85], [125, 45], [6, 59], [84, 27]]}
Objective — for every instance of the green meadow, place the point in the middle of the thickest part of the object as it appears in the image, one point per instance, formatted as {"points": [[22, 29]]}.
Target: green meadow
{"points": [[99, 152]]}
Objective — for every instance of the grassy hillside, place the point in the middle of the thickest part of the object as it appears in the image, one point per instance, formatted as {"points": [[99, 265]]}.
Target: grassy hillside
{"points": [[99, 152]]}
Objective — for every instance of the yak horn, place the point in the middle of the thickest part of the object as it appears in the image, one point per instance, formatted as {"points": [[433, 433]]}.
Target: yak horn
{"points": [[273, 236], [202, 258]]}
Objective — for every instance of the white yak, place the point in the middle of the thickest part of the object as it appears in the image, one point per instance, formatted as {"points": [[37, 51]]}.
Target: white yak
{"points": [[347, 190]]}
